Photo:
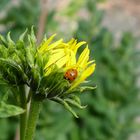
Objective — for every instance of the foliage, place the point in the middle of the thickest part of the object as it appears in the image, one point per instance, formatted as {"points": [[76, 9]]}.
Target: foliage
{"points": [[29, 9], [113, 107]]}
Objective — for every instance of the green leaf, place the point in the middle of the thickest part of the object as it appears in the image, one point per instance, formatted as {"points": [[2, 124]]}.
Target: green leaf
{"points": [[22, 36], [3, 41], [7, 110], [30, 56], [66, 105], [32, 38], [10, 41], [87, 88], [12, 64], [74, 103], [75, 98]]}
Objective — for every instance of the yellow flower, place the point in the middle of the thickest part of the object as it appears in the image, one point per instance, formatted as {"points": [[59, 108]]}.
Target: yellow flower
{"points": [[63, 55]]}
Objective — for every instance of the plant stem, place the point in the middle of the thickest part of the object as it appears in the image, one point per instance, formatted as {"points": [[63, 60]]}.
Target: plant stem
{"points": [[23, 117], [33, 117]]}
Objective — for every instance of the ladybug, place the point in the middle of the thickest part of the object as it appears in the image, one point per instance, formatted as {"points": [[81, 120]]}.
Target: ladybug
{"points": [[71, 74]]}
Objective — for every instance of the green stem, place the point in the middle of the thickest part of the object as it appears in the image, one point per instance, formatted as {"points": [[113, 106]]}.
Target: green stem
{"points": [[33, 117], [23, 117]]}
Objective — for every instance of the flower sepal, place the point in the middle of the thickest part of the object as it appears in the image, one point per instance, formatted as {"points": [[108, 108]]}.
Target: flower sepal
{"points": [[53, 84], [73, 100]]}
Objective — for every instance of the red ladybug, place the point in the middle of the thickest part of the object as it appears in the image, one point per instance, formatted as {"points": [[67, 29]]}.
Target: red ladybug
{"points": [[71, 74]]}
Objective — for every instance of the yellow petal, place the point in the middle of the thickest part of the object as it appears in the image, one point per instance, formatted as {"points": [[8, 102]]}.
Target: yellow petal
{"points": [[57, 51], [46, 43], [60, 63], [83, 76], [54, 45], [73, 44], [72, 58], [54, 58], [83, 59], [78, 45], [48, 71], [71, 41], [90, 62]]}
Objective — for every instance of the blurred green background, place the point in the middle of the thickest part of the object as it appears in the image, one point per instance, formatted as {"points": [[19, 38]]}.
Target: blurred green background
{"points": [[113, 108]]}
